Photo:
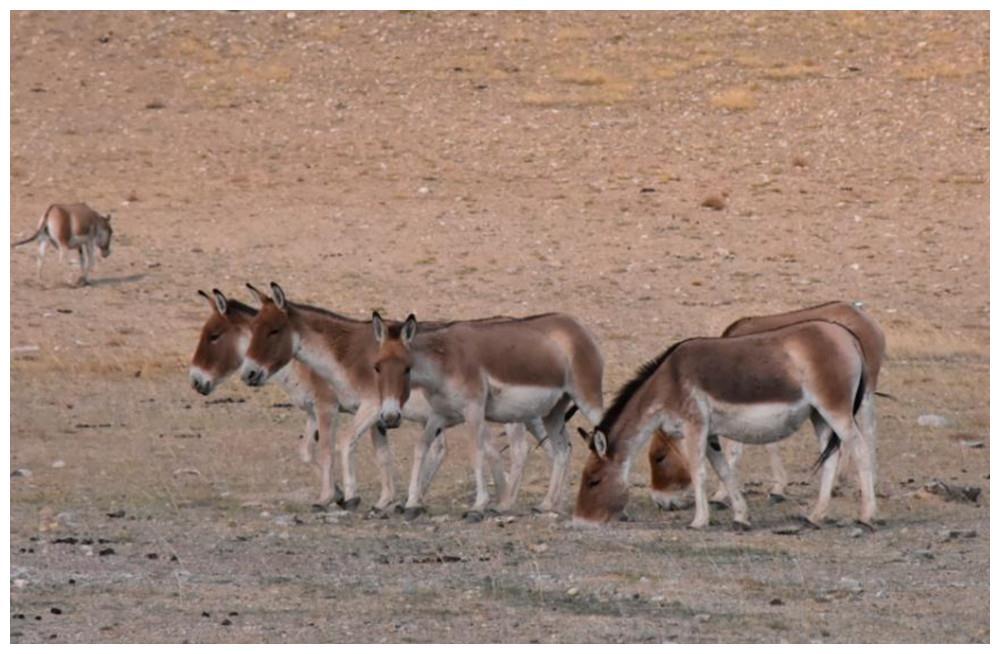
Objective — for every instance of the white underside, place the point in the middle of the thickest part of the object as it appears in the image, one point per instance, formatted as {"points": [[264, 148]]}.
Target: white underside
{"points": [[758, 423], [516, 403]]}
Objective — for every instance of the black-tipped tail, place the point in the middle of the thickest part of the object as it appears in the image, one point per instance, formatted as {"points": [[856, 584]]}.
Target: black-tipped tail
{"points": [[832, 446], [571, 412]]}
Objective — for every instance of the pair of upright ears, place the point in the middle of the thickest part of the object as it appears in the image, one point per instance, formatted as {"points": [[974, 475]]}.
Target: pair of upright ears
{"points": [[217, 300], [277, 295], [406, 332]]}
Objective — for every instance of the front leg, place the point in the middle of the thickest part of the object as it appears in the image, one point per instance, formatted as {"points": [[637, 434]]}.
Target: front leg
{"points": [[518, 457], [418, 483], [476, 419], [307, 441], [347, 442], [696, 440], [383, 457], [323, 447], [729, 481]]}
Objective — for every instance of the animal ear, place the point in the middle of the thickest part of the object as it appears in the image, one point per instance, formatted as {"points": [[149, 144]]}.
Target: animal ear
{"points": [[584, 435], [409, 330], [211, 301], [378, 326], [600, 444], [279, 296], [257, 295], [221, 303]]}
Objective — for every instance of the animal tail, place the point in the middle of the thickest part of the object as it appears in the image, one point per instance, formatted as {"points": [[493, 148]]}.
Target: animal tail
{"points": [[887, 396], [573, 408], [38, 232], [833, 444]]}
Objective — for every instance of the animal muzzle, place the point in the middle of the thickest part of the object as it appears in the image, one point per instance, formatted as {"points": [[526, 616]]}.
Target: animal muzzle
{"points": [[201, 382], [253, 374], [390, 416]]}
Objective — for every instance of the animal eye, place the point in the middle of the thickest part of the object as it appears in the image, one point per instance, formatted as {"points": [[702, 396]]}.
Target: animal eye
{"points": [[378, 367], [274, 332], [593, 482], [214, 337], [407, 370]]}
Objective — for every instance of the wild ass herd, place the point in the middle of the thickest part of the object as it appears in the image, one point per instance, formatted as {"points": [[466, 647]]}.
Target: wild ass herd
{"points": [[702, 398]]}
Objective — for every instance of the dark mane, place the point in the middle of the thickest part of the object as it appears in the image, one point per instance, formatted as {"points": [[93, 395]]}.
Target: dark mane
{"points": [[239, 307], [324, 312], [631, 387]]}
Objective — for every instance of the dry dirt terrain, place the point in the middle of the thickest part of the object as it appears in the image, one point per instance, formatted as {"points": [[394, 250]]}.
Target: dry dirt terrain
{"points": [[657, 175]]}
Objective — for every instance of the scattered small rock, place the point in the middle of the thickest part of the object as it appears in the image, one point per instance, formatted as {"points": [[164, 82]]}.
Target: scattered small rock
{"points": [[933, 420], [55, 611], [850, 585], [226, 622], [923, 554], [573, 592], [20, 583], [777, 601], [954, 534], [857, 532], [788, 530], [714, 202], [21, 472], [107, 551], [120, 513], [206, 614], [152, 556], [194, 472], [954, 493], [58, 463]]}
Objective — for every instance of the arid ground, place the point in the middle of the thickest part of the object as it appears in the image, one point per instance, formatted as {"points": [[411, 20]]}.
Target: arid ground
{"points": [[657, 175]]}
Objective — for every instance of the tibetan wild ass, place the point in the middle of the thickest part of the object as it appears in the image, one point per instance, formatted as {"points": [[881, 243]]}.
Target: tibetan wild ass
{"points": [[668, 468], [528, 370], [754, 389], [72, 227], [221, 348]]}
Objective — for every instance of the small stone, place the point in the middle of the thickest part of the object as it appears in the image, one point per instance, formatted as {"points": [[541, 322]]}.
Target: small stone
{"points": [[20, 583], [953, 534], [540, 548], [857, 532], [777, 601], [573, 592], [933, 420], [226, 622], [107, 551], [21, 472], [850, 585], [703, 617], [55, 611], [58, 463], [923, 554]]}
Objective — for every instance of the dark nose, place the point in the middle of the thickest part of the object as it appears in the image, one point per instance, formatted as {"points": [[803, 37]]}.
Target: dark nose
{"points": [[252, 376], [200, 386], [390, 420]]}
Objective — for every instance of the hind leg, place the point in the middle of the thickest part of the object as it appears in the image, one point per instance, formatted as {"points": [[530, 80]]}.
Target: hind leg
{"points": [[828, 471], [730, 481], [518, 457], [42, 245], [733, 451], [778, 473]]}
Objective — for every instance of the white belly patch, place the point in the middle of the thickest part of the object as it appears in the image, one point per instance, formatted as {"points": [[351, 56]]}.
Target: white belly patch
{"points": [[515, 403], [758, 423]]}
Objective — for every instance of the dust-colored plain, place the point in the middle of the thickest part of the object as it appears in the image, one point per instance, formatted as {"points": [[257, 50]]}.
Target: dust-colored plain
{"points": [[657, 175]]}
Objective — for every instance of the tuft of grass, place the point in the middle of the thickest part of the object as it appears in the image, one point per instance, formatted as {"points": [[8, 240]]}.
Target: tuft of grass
{"points": [[937, 70], [608, 93], [783, 73], [735, 99], [582, 77], [714, 202]]}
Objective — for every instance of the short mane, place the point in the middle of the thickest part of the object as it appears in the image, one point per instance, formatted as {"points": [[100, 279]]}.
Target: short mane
{"points": [[239, 307], [631, 387]]}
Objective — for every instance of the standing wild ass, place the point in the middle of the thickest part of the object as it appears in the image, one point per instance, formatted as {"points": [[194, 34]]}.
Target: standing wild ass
{"points": [[530, 370], [668, 468], [754, 389], [342, 351], [221, 348], [72, 227]]}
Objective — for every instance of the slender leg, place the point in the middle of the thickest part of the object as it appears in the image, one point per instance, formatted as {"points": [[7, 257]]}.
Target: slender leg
{"points": [[778, 470], [727, 475], [866, 473], [828, 471], [42, 245], [435, 455], [733, 451], [82, 250], [475, 418], [496, 465], [417, 486], [326, 428], [347, 442], [868, 423], [518, 457], [307, 441], [696, 439], [383, 456]]}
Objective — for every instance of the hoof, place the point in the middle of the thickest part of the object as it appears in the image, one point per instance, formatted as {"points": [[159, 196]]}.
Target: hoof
{"points": [[413, 512], [807, 522], [719, 504], [376, 513], [697, 527], [739, 525], [775, 498], [351, 504], [398, 508], [338, 494], [472, 517], [491, 513], [317, 507], [624, 518], [867, 526]]}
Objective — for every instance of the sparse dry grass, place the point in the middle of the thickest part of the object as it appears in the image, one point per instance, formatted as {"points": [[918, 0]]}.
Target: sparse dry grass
{"points": [[582, 76], [783, 73], [938, 70], [735, 99], [607, 92]]}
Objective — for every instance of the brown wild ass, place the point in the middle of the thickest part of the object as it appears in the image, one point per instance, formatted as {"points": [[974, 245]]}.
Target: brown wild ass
{"points": [[342, 351], [221, 347], [527, 370], [72, 227], [754, 389], [670, 476]]}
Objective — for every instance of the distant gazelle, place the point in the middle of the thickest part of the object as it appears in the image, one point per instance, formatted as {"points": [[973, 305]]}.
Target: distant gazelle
{"points": [[668, 468], [221, 348], [754, 389], [72, 227]]}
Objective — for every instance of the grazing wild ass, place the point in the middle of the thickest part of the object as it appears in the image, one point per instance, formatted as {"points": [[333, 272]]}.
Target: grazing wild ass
{"points": [[528, 370], [72, 227], [668, 468], [754, 389], [342, 351], [221, 348]]}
